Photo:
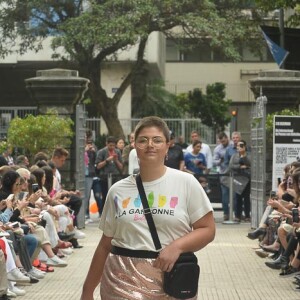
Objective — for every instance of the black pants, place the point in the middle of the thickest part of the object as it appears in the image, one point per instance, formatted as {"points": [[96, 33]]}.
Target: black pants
{"points": [[75, 205]]}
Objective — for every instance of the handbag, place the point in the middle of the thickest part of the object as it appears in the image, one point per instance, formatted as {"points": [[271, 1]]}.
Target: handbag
{"points": [[182, 281], [240, 183]]}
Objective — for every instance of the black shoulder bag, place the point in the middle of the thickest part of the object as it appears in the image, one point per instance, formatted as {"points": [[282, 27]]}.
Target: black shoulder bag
{"points": [[182, 281]]}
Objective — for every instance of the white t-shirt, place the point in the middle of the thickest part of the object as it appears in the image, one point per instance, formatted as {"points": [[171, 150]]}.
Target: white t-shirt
{"points": [[133, 161], [177, 200], [205, 149]]}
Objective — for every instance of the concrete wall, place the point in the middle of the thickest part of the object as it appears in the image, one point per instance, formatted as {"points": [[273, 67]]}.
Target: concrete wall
{"points": [[183, 77]]}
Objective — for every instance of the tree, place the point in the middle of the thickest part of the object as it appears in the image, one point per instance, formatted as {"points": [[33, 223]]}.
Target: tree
{"points": [[211, 108], [293, 19], [40, 133], [92, 32]]}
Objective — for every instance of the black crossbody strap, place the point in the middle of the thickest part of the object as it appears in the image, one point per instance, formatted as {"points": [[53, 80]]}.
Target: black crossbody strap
{"points": [[147, 213]]}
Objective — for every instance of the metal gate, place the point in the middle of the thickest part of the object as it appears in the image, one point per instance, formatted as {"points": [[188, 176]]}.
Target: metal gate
{"points": [[258, 160], [79, 161]]}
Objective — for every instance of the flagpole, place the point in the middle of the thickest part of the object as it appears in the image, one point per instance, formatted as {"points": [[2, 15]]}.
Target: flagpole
{"points": [[281, 32]]}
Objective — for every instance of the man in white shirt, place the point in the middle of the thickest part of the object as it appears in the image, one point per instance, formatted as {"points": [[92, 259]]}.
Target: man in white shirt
{"points": [[205, 149]]}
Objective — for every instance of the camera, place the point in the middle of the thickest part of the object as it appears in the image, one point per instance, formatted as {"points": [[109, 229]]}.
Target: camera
{"points": [[35, 187], [295, 215]]}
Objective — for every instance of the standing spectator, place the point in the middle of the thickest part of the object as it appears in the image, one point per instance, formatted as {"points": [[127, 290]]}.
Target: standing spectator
{"points": [[125, 153], [240, 164], [182, 143], [218, 161], [108, 161], [7, 155], [22, 161], [92, 182], [120, 144], [195, 162], [134, 165], [174, 158], [205, 149], [235, 137]]}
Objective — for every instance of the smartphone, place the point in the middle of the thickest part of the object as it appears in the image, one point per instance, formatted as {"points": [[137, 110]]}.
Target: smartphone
{"points": [[22, 195], [35, 187], [295, 215], [11, 197], [15, 225], [273, 195]]}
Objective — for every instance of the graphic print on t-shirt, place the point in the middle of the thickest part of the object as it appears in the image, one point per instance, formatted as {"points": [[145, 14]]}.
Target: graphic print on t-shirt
{"points": [[159, 204]]}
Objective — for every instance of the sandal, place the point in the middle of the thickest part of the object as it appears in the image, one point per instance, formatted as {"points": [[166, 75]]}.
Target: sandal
{"points": [[41, 266]]}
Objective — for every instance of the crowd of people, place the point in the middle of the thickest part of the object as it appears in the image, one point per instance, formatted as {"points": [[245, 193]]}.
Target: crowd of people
{"points": [[38, 220], [279, 229]]}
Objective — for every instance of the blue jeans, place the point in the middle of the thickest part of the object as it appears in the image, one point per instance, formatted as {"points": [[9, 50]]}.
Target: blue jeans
{"points": [[31, 243], [225, 199]]}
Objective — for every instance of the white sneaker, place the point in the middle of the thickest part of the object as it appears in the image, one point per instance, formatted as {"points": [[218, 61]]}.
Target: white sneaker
{"points": [[56, 262], [67, 251], [79, 234], [17, 291], [10, 294], [36, 274], [39, 271], [17, 276], [88, 221]]}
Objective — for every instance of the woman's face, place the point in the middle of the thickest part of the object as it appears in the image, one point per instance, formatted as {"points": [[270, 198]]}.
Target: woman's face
{"points": [[197, 148], [120, 144], [17, 186], [241, 147], [151, 145]]}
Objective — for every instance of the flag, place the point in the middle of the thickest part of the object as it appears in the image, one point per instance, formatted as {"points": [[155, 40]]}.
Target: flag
{"points": [[279, 54]]}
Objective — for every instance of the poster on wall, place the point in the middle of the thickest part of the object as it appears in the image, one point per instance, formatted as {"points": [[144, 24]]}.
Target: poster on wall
{"points": [[286, 145]]}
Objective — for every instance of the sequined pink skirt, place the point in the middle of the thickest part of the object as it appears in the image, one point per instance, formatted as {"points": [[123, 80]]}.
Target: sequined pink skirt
{"points": [[128, 278]]}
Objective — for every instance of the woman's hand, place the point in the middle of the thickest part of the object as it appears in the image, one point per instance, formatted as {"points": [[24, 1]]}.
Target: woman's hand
{"points": [[21, 204], [167, 258]]}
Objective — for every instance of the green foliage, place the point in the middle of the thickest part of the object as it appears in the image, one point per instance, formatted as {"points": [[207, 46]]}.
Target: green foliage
{"points": [[157, 102], [211, 108], [40, 133]]}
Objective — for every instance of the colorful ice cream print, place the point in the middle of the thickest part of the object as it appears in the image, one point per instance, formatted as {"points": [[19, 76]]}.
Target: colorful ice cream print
{"points": [[151, 199], [162, 200], [173, 202], [125, 202], [137, 201]]}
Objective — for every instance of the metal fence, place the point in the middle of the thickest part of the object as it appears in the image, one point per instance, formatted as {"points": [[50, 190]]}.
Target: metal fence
{"points": [[9, 113], [180, 127]]}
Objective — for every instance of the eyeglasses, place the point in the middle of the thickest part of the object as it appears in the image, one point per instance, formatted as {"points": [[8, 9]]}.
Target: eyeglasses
{"points": [[18, 183], [144, 142]]}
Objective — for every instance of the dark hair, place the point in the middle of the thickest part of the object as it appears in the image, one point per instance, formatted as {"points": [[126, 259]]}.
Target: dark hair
{"points": [[49, 178], [51, 164], [59, 152], [39, 174], [3, 161], [196, 143], [152, 121], [41, 163], [242, 142], [222, 135], [110, 139], [40, 156], [8, 180]]}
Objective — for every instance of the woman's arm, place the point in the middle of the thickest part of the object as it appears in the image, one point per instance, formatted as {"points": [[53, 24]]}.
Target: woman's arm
{"points": [[93, 277], [203, 233]]}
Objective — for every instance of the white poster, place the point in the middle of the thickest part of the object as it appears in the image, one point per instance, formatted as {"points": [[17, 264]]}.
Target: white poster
{"points": [[286, 145]]}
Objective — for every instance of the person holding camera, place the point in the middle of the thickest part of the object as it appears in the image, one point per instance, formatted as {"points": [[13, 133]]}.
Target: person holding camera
{"points": [[181, 212], [240, 164], [195, 162]]}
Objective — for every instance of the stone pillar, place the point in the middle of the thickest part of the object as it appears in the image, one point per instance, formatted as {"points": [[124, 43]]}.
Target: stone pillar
{"points": [[62, 90]]}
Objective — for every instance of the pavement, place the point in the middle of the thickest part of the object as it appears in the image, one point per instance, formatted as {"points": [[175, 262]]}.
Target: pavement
{"points": [[230, 270]]}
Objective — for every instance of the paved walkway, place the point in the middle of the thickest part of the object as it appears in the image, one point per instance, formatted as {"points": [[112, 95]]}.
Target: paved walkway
{"points": [[230, 270]]}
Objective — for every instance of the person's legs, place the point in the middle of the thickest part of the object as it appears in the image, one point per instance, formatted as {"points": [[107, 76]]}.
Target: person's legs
{"points": [[3, 277], [87, 195], [225, 199], [97, 193], [238, 206], [75, 204], [247, 205]]}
